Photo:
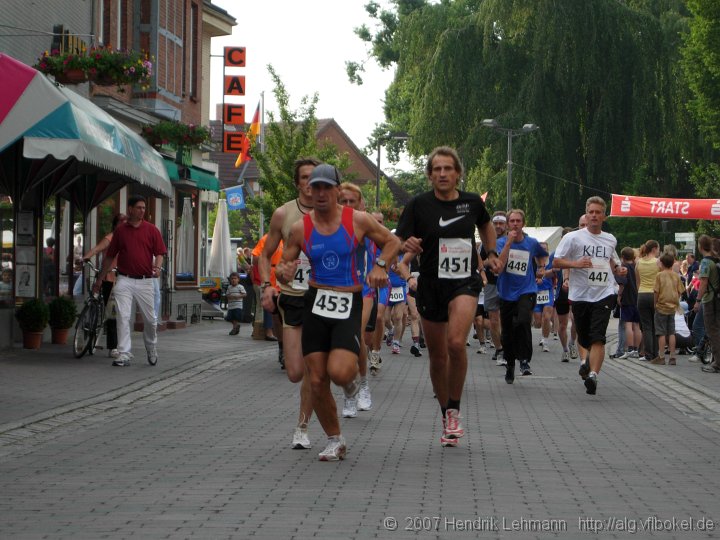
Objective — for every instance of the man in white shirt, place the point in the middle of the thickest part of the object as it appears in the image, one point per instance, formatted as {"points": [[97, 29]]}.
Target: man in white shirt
{"points": [[590, 256]]}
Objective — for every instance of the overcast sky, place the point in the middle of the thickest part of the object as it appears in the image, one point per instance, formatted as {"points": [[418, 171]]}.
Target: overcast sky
{"points": [[307, 42]]}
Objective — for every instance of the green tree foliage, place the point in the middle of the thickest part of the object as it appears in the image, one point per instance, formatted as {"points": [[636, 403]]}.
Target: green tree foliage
{"points": [[289, 135], [602, 79]]}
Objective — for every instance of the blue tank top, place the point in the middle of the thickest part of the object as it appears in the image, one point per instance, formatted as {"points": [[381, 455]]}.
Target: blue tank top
{"points": [[334, 257], [395, 279]]}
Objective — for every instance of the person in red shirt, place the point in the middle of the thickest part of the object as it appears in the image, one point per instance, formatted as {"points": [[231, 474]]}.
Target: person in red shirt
{"points": [[140, 251]]}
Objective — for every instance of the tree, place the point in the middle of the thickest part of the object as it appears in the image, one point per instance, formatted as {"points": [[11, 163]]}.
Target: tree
{"points": [[601, 79], [289, 135]]}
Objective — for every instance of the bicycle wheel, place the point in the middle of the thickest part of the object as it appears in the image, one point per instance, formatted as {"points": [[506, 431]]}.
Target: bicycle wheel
{"points": [[83, 332], [98, 326]]}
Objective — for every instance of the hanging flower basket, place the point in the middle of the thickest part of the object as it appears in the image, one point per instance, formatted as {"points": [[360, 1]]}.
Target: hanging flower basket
{"points": [[176, 133]]}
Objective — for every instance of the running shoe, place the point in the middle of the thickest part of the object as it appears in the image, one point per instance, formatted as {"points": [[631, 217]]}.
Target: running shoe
{"points": [[364, 399], [389, 338], [422, 342], [395, 347], [335, 449], [374, 362], [625, 355], [350, 408], [300, 441], [545, 347], [510, 373], [114, 353], [634, 354], [584, 370], [573, 351], [565, 357], [525, 367], [453, 426], [555, 336], [481, 350], [591, 384], [152, 356], [542, 342], [414, 350], [499, 358], [122, 361]]}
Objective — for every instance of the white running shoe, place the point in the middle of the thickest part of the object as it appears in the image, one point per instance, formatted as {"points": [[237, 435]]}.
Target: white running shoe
{"points": [[573, 351], [374, 360], [300, 441], [500, 359], [453, 426], [335, 449], [350, 408], [364, 400], [565, 357], [542, 342], [481, 350], [114, 353], [545, 347]]}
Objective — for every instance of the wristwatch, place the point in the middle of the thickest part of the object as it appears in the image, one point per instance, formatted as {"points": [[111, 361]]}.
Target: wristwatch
{"points": [[382, 264], [492, 252]]}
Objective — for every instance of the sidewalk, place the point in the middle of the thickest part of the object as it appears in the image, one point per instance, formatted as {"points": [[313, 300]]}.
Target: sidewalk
{"points": [[35, 382]]}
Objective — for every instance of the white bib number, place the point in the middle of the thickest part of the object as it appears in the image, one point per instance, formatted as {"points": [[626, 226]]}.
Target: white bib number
{"points": [[454, 260], [332, 304], [543, 297], [397, 294], [518, 261], [599, 274], [302, 274]]}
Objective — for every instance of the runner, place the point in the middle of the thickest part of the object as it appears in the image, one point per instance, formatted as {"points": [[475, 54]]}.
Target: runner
{"points": [[440, 225], [397, 307], [492, 301], [517, 289], [545, 304], [329, 236], [290, 302], [589, 254], [350, 195]]}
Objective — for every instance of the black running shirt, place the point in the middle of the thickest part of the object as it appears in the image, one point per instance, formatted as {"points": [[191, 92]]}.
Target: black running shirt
{"points": [[431, 219]]}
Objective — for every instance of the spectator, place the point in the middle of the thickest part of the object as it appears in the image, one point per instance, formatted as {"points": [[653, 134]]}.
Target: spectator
{"points": [[667, 291]]}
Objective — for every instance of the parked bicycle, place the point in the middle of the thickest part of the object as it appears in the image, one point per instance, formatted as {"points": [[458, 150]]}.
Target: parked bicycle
{"points": [[91, 322]]}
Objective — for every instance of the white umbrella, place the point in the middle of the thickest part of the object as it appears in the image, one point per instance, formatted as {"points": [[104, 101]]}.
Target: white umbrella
{"points": [[222, 261], [186, 241]]}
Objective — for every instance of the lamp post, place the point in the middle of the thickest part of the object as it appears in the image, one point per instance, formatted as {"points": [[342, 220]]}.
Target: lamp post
{"points": [[511, 133], [398, 136]]}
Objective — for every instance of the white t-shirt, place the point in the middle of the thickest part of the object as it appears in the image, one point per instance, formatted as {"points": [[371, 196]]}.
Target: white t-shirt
{"points": [[589, 284]]}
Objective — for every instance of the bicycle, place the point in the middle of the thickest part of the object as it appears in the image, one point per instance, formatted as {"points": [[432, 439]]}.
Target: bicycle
{"points": [[91, 322]]}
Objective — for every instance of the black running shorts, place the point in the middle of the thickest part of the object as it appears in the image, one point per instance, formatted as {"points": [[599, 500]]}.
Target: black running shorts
{"points": [[591, 320], [434, 295], [291, 310], [322, 334]]}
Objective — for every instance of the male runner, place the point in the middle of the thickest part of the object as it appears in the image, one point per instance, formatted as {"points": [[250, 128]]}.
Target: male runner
{"points": [[518, 291], [440, 225], [492, 301], [330, 236], [590, 255], [290, 301]]}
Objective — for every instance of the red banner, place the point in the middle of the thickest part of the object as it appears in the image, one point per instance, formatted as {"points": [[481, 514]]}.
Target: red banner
{"points": [[659, 207]]}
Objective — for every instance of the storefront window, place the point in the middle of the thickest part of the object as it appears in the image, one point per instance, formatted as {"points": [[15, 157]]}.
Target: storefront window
{"points": [[7, 298]]}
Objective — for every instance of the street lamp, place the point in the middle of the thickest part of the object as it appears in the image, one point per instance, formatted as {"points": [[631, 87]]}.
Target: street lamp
{"points": [[397, 136], [511, 133]]}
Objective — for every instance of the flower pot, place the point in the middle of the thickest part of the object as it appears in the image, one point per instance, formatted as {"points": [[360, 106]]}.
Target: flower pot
{"points": [[71, 76], [102, 79], [59, 335], [32, 340]]}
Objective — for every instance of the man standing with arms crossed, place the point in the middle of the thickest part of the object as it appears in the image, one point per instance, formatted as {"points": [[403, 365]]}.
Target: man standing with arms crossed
{"points": [[440, 225], [140, 251], [330, 236], [290, 303], [589, 254]]}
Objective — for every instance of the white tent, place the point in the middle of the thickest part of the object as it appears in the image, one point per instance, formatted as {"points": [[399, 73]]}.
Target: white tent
{"points": [[551, 235], [222, 259]]}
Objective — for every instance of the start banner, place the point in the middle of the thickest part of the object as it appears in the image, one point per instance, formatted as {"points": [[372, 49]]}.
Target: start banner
{"points": [[658, 207]]}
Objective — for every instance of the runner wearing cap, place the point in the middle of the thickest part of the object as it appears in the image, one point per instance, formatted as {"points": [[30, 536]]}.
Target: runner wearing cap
{"points": [[290, 302], [492, 301], [330, 236], [589, 254], [440, 226]]}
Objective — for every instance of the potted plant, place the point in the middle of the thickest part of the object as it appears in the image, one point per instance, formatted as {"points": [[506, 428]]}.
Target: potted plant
{"points": [[63, 312], [32, 317]]}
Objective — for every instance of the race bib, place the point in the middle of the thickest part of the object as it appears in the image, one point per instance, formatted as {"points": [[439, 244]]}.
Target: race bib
{"points": [[302, 273], [518, 261], [397, 294], [332, 304], [543, 297], [599, 275], [454, 260]]}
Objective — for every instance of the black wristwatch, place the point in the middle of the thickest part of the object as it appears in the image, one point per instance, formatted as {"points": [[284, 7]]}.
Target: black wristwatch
{"points": [[492, 251]]}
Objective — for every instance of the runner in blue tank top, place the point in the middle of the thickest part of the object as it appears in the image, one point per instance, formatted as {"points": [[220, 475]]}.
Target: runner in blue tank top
{"points": [[330, 236]]}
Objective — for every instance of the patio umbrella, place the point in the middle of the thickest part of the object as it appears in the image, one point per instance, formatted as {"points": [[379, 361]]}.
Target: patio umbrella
{"points": [[222, 261], [186, 241], [69, 136]]}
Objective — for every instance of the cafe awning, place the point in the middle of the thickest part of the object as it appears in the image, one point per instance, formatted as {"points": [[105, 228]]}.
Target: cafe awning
{"points": [[56, 122]]}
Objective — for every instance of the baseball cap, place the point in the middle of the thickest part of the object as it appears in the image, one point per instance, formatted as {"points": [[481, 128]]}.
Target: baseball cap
{"points": [[325, 173]]}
